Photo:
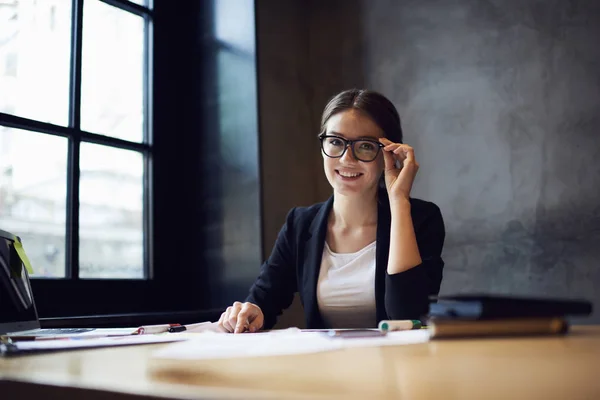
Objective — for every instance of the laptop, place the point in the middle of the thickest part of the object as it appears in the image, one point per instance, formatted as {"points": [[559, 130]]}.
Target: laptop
{"points": [[18, 314]]}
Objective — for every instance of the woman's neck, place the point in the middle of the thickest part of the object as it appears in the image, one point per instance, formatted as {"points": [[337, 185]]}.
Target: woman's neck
{"points": [[354, 211]]}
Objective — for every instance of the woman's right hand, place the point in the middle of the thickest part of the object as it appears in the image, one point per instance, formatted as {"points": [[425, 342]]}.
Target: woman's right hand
{"points": [[240, 318]]}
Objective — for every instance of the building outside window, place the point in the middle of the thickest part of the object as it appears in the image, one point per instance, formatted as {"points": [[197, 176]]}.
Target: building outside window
{"points": [[75, 135]]}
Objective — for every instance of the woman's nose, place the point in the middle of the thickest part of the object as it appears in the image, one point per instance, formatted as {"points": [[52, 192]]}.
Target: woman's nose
{"points": [[348, 155]]}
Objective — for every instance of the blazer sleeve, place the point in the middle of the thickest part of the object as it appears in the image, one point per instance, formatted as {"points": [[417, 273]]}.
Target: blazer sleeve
{"points": [[273, 291], [407, 293]]}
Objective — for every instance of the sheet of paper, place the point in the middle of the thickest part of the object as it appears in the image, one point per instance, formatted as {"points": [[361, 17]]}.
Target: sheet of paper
{"points": [[391, 339], [110, 332], [205, 327], [63, 344], [209, 345], [95, 333]]}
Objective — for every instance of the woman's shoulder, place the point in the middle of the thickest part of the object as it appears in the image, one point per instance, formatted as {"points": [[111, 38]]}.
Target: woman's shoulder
{"points": [[303, 218], [306, 213], [424, 206]]}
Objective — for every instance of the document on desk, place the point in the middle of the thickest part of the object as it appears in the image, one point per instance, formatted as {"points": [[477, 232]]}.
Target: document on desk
{"points": [[390, 339], [211, 345], [39, 346], [205, 346]]}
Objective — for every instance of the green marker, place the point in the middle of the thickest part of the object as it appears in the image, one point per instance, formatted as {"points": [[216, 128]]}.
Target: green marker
{"points": [[399, 325]]}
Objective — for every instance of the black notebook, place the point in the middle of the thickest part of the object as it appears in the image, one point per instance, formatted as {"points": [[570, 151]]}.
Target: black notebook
{"points": [[478, 307]]}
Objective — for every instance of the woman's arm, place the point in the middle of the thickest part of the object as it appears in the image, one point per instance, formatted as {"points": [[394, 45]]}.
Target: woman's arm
{"points": [[414, 270], [273, 290], [404, 251], [407, 292]]}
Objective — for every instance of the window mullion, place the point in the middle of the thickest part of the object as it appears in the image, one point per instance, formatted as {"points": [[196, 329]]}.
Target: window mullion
{"points": [[72, 234]]}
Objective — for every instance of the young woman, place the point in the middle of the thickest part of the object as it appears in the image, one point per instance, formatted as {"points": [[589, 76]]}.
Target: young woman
{"points": [[370, 252]]}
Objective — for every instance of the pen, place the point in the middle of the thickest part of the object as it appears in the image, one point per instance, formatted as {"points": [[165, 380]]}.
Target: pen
{"points": [[153, 329], [400, 325], [177, 328]]}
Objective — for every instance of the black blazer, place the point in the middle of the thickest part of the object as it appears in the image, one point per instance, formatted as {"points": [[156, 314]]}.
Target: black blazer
{"points": [[295, 262]]}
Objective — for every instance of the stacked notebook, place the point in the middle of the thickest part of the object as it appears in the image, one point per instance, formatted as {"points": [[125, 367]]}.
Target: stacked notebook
{"points": [[489, 315]]}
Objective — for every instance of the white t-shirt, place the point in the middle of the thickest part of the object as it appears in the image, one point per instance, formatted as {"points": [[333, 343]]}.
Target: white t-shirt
{"points": [[346, 288]]}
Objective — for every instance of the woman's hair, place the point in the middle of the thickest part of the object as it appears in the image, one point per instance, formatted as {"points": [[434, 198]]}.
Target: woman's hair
{"points": [[373, 104]]}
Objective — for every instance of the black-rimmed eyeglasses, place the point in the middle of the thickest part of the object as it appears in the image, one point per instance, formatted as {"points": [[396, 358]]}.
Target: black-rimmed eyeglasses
{"points": [[364, 150]]}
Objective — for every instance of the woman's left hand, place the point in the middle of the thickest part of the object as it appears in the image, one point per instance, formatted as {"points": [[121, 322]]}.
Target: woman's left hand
{"points": [[399, 181]]}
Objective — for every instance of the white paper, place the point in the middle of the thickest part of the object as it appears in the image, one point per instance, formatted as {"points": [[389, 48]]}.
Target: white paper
{"points": [[107, 332], [391, 339], [209, 345], [205, 327], [59, 344]]}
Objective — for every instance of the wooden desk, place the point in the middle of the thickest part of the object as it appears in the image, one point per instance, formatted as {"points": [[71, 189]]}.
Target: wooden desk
{"points": [[522, 368]]}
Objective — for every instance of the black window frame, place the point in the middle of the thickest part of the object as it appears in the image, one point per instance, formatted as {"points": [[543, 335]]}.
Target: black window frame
{"points": [[71, 295]]}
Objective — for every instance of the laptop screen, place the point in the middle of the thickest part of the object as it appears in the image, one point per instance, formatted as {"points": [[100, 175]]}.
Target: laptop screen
{"points": [[17, 308]]}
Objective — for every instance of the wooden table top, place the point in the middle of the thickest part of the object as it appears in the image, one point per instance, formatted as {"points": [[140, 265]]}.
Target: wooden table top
{"points": [[528, 368]]}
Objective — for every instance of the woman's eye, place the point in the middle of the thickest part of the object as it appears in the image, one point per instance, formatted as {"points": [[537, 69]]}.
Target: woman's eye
{"points": [[336, 142], [367, 146]]}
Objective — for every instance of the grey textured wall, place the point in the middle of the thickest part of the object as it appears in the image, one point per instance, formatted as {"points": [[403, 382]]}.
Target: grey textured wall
{"points": [[501, 100]]}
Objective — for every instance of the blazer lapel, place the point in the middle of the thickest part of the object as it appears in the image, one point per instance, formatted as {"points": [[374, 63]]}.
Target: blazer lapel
{"points": [[384, 220], [315, 241]]}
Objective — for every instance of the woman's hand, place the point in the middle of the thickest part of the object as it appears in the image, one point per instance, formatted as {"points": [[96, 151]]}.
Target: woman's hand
{"points": [[399, 181], [240, 318]]}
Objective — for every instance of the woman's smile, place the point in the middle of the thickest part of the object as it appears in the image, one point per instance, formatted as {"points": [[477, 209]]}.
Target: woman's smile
{"points": [[346, 175]]}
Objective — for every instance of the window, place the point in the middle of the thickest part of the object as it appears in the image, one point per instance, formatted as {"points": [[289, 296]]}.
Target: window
{"points": [[75, 135]]}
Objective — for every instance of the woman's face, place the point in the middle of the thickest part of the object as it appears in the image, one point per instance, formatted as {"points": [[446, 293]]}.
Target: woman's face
{"points": [[346, 174]]}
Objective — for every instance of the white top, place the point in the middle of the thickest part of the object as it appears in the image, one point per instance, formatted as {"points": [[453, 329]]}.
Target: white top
{"points": [[346, 288]]}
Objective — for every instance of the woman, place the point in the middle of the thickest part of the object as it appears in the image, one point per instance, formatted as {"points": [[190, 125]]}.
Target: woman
{"points": [[370, 252]]}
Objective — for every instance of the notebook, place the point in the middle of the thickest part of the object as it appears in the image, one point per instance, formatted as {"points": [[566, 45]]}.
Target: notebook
{"points": [[447, 328], [487, 315], [487, 306], [18, 313]]}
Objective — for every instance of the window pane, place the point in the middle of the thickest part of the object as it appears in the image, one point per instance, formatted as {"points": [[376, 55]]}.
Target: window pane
{"points": [[33, 177], [112, 90], [35, 45], [110, 213], [140, 2]]}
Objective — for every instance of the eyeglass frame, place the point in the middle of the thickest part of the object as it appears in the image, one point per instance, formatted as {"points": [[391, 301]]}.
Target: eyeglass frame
{"points": [[351, 144]]}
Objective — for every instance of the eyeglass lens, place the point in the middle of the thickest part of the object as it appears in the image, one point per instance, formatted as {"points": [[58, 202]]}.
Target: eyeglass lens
{"points": [[364, 150]]}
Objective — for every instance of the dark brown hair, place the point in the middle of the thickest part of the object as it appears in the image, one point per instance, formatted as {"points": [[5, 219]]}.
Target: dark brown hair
{"points": [[373, 104]]}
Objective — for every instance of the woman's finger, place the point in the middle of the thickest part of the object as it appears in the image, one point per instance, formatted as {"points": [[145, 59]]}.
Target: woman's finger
{"points": [[389, 161], [221, 319], [233, 315], [403, 148], [392, 147], [257, 323], [405, 153], [247, 313], [388, 145], [410, 153], [400, 154], [224, 320]]}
